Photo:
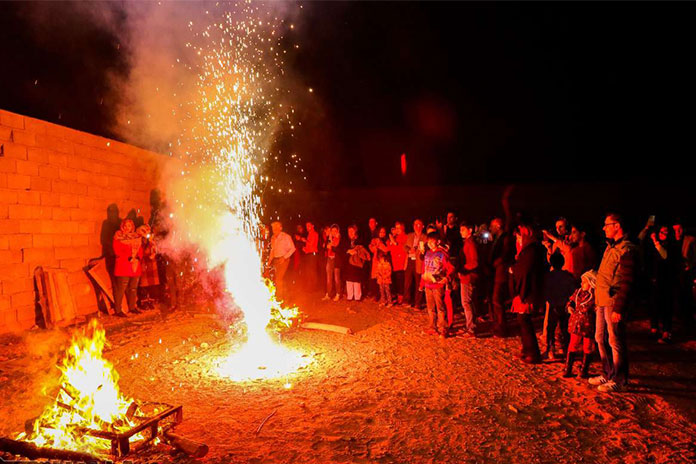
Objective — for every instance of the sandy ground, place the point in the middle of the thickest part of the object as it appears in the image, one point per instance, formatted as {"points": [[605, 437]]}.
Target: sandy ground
{"points": [[388, 393]]}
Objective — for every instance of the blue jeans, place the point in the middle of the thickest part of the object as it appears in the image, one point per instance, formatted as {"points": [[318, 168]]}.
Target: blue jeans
{"points": [[467, 291], [435, 302], [612, 336]]}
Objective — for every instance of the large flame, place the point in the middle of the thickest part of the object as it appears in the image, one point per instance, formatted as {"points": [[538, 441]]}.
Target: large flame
{"points": [[88, 399], [217, 205]]}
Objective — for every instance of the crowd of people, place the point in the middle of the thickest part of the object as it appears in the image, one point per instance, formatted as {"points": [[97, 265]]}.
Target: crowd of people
{"points": [[509, 265]]}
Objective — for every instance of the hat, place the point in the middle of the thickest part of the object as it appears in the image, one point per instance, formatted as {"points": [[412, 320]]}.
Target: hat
{"points": [[591, 277]]}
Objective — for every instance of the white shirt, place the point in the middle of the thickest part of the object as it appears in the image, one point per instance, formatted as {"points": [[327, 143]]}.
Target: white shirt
{"points": [[282, 246]]}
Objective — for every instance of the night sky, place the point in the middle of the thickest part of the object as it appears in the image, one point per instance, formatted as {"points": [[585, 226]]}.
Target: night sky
{"points": [[471, 92]]}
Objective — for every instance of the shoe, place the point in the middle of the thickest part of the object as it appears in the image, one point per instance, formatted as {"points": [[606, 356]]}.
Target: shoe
{"points": [[666, 338], [121, 314], [468, 334], [531, 360], [349, 299], [599, 380], [337, 297], [326, 297], [585, 369], [443, 335], [609, 387], [552, 356], [135, 311], [431, 332]]}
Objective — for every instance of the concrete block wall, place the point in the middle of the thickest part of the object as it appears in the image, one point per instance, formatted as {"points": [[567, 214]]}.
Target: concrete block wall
{"points": [[55, 186]]}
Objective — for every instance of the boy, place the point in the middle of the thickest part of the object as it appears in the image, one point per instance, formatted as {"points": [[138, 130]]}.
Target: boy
{"points": [[559, 285], [436, 271]]}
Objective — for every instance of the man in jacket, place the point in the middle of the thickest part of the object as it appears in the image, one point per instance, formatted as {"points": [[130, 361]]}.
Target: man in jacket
{"points": [[614, 282], [502, 255]]}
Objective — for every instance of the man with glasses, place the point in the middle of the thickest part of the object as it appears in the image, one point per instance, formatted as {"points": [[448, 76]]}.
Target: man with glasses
{"points": [[614, 281]]}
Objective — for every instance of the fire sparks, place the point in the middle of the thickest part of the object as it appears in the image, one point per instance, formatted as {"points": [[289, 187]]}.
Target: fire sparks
{"points": [[88, 399], [236, 113]]}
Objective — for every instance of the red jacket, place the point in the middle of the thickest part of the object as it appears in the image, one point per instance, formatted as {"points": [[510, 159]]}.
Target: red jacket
{"points": [[124, 260], [398, 253]]}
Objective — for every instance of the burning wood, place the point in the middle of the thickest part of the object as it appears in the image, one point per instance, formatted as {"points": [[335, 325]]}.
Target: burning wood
{"points": [[90, 416]]}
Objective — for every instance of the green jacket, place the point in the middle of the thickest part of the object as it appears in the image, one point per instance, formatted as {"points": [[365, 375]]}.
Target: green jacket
{"points": [[615, 275]]}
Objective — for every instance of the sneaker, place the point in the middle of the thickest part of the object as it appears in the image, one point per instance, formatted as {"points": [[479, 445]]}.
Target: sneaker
{"points": [[609, 387], [599, 380], [326, 297], [337, 297]]}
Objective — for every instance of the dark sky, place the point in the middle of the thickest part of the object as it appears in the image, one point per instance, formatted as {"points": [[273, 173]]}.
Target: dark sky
{"points": [[471, 92]]}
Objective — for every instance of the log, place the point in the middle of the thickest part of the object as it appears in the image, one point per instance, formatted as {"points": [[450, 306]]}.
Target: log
{"points": [[191, 448], [31, 451], [327, 327]]}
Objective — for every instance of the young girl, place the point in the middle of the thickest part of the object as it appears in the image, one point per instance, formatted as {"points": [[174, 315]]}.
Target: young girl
{"points": [[383, 271], [581, 325]]}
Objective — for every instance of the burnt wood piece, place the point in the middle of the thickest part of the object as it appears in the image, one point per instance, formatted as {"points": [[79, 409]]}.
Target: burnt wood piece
{"points": [[31, 451], [191, 448]]}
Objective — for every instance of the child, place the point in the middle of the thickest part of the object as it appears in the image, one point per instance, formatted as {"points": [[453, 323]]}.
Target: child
{"points": [[383, 272], [437, 270], [559, 285], [581, 325]]}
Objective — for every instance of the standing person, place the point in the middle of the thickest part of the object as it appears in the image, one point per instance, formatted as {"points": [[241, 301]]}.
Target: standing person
{"points": [[297, 259], [559, 285], [357, 257], [452, 235], [582, 257], [559, 241], [501, 258], [379, 245], [665, 258], [282, 249], [383, 273], [128, 249], [686, 275], [468, 269], [614, 281], [437, 269], [335, 259], [397, 250], [581, 325], [311, 257], [149, 283], [372, 229], [415, 250], [527, 288]]}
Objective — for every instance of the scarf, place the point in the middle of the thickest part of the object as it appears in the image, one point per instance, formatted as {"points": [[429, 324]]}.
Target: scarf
{"points": [[132, 239]]}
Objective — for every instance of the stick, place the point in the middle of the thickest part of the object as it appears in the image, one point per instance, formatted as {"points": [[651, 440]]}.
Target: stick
{"points": [[327, 327], [264, 421], [32, 451]]}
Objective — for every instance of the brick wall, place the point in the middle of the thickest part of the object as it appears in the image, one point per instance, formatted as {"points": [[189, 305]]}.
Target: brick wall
{"points": [[55, 186]]}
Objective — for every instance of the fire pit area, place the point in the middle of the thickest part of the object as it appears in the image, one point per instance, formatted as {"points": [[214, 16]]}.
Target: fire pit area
{"points": [[387, 393]]}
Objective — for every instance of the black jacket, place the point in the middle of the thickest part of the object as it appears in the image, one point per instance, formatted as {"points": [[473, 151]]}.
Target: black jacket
{"points": [[528, 274]]}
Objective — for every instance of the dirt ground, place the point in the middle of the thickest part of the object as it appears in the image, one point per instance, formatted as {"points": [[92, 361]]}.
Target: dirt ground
{"points": [[388, 393]]}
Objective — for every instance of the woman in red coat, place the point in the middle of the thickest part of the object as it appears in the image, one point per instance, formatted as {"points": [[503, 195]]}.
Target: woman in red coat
{"points": [[129, 254]]}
